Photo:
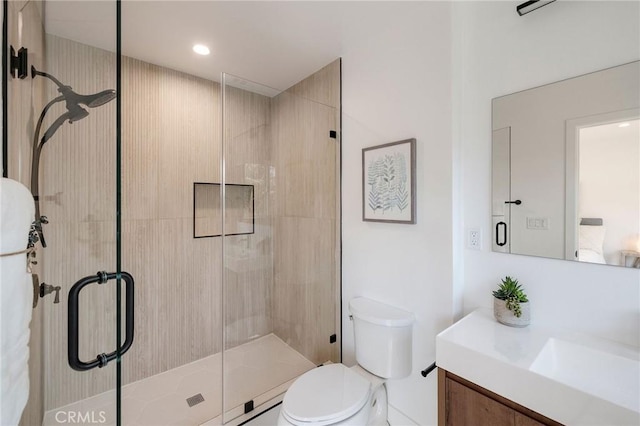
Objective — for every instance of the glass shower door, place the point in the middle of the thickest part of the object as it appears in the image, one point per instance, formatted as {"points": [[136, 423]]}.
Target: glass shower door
{"points": [[62, 146], [281, 237]]}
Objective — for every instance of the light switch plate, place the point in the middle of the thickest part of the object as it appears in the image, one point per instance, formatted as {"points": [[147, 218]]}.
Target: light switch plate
{"points": [[539, 223]]}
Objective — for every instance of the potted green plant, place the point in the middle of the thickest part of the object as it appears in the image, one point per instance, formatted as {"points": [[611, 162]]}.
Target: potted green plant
{"points": [[510, 304]]}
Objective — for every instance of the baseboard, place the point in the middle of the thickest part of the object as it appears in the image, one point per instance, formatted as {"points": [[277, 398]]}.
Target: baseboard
{"points": [[397, 418]]}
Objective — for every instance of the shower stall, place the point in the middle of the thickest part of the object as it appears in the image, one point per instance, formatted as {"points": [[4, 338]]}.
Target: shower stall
{"points": [[187, 237]]}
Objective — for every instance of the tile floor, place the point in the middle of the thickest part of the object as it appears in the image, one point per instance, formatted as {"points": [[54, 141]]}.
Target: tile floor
{"points": [[261, 370]]}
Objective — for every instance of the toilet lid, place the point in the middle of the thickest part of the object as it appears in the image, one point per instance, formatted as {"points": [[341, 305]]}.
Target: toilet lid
{"points": [[326, 394]]}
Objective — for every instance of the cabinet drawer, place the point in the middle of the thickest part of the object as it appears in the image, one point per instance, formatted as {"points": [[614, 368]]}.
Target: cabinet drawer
{"points": [[463, 403]]}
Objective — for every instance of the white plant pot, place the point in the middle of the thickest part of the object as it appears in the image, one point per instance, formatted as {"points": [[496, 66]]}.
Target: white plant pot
{"points": [[507, 317]]}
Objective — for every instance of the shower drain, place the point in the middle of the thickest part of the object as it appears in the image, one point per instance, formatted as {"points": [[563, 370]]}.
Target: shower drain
{"points": [[195, 399]]}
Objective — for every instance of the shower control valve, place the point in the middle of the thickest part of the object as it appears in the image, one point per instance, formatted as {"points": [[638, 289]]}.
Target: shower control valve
{"points": [[47, 288], [35, 233]]}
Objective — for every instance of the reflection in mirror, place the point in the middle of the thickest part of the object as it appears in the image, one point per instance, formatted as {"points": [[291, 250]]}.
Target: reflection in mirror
{"points": [[566, 169], [608, 190]]}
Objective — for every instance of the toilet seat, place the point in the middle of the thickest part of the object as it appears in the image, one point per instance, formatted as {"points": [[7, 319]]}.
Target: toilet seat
{"points": [[325, 395]]}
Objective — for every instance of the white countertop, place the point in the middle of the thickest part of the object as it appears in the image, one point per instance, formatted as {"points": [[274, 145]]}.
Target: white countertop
{"points": [[571, 378]]}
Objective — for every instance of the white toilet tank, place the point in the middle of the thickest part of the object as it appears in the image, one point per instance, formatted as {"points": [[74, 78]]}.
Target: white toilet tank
{"points": [[383, 338]]}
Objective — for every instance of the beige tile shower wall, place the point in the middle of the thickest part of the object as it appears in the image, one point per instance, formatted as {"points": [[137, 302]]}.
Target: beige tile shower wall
{"points": [[248, 259], [171, 138], [25, 101], [306, 196]]}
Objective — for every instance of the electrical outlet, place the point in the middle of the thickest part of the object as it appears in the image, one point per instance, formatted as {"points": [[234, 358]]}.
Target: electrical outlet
{"points": [[474, 238]]}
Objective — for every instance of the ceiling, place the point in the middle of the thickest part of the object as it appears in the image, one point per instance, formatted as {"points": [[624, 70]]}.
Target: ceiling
{"points": [[274, 43]]}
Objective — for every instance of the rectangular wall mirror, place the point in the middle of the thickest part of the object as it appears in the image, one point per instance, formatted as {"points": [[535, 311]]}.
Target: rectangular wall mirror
{"points": [[566, 169], [239, 211]]}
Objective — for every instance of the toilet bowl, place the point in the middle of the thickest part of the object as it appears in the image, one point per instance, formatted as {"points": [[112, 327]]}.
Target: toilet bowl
{"points": [[335, 394]]}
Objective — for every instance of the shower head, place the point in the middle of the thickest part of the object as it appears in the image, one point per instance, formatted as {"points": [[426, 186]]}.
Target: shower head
{"points": [[73, 98], [73, 101], [98, 99], [76, 114], [92, 101]]}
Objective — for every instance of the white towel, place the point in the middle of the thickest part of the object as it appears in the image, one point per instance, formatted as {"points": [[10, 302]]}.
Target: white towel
{"points": [[16, 292]]}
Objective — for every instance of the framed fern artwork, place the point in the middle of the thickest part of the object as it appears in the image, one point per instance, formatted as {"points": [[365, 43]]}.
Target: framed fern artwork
{"points": [[388, 182]]}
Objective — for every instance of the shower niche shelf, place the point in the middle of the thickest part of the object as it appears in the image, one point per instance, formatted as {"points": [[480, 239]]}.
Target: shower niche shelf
{"points": [[207, 208]]}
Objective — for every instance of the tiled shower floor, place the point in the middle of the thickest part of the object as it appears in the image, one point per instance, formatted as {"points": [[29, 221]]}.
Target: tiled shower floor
{"points": [[260, 370]]}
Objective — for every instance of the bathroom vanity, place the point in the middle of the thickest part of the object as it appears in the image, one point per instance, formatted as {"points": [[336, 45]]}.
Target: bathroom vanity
{"points": [[491, 374], [461, 402]]}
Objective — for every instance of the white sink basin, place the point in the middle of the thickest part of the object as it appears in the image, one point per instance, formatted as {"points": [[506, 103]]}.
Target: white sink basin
{"points": [[569, 377], [602, 374]]}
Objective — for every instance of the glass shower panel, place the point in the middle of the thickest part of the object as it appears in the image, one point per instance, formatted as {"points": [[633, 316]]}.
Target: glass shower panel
{"points": [[62, 146], [171, 223], [280, 286]]}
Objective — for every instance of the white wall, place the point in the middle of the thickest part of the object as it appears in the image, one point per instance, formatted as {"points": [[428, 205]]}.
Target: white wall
{"points": [[397, 85], [496, 53]]}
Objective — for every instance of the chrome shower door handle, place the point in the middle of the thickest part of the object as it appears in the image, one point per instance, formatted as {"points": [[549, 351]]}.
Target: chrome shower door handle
{"points": [[74, 326]]}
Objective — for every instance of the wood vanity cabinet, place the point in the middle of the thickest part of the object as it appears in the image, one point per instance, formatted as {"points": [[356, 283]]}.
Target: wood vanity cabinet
{"points": [[463, 403]]}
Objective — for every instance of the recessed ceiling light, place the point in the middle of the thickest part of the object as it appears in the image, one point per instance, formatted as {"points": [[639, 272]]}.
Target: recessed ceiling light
{"points": [[624, 124], [201, 49]]}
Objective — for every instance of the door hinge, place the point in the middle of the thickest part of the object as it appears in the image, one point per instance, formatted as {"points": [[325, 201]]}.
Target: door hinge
{"points": [[19, 63]]}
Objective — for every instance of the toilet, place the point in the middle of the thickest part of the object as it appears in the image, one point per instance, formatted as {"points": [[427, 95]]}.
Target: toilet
{"points": [[335, 394]]}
